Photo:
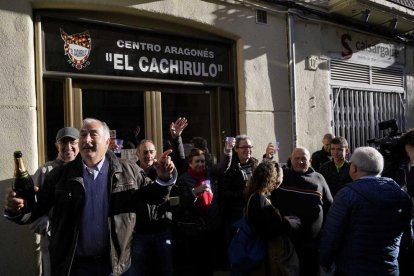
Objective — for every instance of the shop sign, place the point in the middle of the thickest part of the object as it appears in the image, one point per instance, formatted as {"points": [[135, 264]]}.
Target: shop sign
{"points": [[370, 51], [93, 48]]}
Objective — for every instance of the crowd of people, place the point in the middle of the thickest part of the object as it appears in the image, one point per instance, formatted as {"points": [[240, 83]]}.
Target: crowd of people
{"points": [[329, 213]]}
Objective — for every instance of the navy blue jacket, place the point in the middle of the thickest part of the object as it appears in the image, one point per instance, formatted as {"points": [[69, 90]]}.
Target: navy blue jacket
{"points": [[363, 230]]}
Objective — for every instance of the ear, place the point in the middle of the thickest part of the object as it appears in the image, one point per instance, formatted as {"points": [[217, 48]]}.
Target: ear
{"points": [[57, 146]]}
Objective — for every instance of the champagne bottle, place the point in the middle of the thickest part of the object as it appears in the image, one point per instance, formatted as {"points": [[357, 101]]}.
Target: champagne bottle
{"points": [[22, 181]]}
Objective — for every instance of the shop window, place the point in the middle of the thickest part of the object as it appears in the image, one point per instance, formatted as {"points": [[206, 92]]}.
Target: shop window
{"points": [[54, 116], [123, 111], [195, 107]]}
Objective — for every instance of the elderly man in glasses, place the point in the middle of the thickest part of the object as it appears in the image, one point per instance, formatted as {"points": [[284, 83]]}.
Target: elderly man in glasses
{"points": [[235, 180]]}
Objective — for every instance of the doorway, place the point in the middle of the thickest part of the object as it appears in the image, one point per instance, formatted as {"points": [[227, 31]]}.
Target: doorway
{"points": [[137, 111]]}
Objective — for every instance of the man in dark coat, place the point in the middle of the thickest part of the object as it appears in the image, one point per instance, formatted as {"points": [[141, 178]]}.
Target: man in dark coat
{"points": [[324, 155], [305, 194], [336, 172], [368, 222], [94, 200]]}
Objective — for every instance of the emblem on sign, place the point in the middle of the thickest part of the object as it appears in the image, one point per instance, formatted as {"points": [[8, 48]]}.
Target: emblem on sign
{"points": [[77, 47]]}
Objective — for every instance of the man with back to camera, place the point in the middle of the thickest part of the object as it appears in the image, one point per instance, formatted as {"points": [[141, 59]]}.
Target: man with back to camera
{"points": [[324, 155], [305, 194], [94, 199], [336, 172], [365, 225], [67, 145]]}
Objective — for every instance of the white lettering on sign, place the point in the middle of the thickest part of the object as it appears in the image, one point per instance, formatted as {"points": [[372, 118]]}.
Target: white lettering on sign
{"points": [[121, 62], [174, 61], [178, 67], [134, 45]]}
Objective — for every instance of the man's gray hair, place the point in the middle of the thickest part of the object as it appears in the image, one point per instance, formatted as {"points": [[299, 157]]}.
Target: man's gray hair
{"points": [[241, 137], [368, 160], [105, 127]]}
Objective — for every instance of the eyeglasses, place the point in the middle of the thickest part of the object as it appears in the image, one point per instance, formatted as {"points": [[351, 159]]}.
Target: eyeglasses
{"points": [[245, 147], [70, 142]]}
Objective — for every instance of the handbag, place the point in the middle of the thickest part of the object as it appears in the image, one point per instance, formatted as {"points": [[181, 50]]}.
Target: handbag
{"points": [[283, 260], [246, 250]]}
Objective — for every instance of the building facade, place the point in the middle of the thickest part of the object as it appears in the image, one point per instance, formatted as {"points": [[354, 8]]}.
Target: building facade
{"points": [[288, 72]]}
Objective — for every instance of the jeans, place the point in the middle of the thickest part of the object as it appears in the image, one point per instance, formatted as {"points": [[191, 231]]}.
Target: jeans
{"points": [[151, 254]]}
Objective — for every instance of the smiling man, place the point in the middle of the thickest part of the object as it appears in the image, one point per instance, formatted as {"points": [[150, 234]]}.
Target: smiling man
{"points": [[336, 172], [94, 199], [152, 243], [305, 194], [67, 145], [236, 178]]}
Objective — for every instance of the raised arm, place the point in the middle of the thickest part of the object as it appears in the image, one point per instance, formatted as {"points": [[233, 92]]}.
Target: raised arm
{"points": [[178, 155], [225, 163]]}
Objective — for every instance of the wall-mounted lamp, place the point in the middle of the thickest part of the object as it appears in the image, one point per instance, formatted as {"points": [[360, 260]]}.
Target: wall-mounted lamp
{"points": [[392, 24], [363, 15]]}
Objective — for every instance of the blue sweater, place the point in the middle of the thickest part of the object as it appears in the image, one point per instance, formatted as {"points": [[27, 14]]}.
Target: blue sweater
{"points": [[363, 230]]}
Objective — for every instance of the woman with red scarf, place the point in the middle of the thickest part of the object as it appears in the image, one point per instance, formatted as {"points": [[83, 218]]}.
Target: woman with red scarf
{"points": [[198, 197]]}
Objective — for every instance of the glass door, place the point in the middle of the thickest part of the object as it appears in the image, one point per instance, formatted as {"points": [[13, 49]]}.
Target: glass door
{"points": [[122, 110], [138, 111]]}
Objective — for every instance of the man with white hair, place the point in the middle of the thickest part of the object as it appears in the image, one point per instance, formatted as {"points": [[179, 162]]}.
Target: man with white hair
{"points": [[94, 199], [304, 193], [368, 221]]}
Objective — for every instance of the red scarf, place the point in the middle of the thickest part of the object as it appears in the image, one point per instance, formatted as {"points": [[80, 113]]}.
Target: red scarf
{"points": [[203, 200]]}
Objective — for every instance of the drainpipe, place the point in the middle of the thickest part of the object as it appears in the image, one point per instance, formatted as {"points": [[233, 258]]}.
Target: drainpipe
{"points": [[292, 79]]}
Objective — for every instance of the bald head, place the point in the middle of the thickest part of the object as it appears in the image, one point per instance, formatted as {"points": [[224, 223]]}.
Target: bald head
{"points": [[300, 159]]}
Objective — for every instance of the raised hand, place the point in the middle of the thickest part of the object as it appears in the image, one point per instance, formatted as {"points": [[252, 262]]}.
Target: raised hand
{"points": [[165, 166], [270, 151], [177, 127]]}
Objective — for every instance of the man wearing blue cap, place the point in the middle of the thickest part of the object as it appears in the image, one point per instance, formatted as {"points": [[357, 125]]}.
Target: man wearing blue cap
{"points": [[67, 140]]}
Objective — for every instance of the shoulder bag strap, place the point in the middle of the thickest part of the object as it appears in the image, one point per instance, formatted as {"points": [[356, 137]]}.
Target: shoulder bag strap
{"points": [[246, 212]]}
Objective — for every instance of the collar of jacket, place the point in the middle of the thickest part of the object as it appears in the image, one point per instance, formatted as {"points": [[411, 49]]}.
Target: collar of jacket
{"points": [[114, 164], [235, 160]]}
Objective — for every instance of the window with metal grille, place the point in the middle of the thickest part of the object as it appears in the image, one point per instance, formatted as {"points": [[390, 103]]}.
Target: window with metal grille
{"points": [[362, 97], [357, 112], [261, 17]]}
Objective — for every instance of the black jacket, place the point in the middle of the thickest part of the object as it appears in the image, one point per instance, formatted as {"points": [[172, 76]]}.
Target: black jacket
{"points": [[319, 157], [336, 180], [307, 196], [365, 226], [64, 191], [156, 218], [231, 189]]}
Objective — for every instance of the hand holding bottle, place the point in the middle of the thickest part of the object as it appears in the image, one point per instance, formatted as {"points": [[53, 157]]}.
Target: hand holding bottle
{"points": [[23, 193], [13, 203]]}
